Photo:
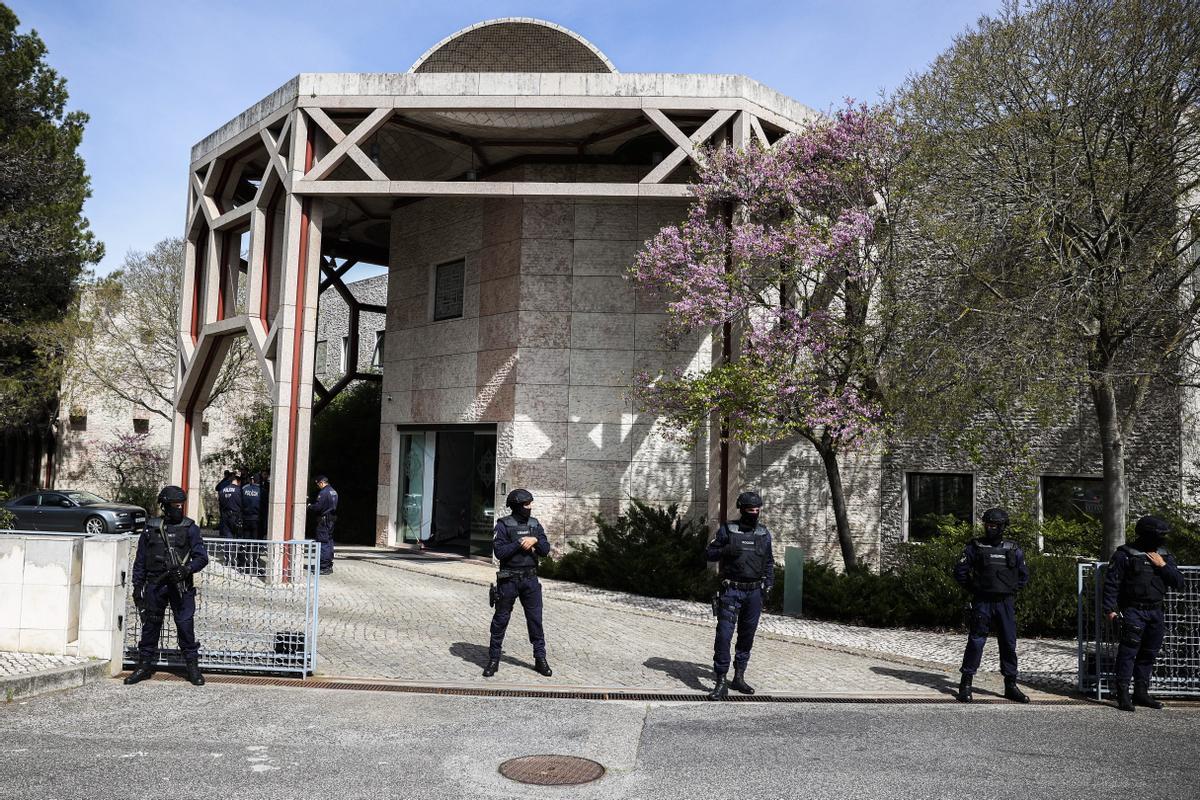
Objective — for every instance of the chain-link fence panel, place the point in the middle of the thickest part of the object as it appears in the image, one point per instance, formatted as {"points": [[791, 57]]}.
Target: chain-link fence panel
{"points": [[256, 609], [1177, 669]]}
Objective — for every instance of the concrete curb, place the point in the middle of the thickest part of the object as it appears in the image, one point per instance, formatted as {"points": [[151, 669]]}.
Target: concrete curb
{"points": [[20, 687]]}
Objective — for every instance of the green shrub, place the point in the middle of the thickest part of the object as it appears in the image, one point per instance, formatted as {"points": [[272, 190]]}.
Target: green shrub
{"points": [[647, 550], [8, 520]]}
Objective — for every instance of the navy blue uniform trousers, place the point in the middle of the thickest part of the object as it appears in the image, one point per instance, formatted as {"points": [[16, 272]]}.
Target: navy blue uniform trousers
{"points": [[740, 609], [157, 598], [529, 590], [325, 537], [999, 616], [1141, 639]]}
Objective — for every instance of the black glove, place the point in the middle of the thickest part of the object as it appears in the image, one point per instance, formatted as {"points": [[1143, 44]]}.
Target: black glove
{"points": [[139, 598]]}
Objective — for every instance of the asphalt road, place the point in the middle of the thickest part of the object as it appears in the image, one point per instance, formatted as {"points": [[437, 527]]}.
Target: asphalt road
{"points": [[171, 740]]}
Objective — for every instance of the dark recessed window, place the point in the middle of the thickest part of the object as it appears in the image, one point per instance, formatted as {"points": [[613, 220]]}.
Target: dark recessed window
{"points": [[141, 426], [78, 419], [448, 284], [377, 353], [204, 429], [322, 353], [1076, 499], [934, 497]]}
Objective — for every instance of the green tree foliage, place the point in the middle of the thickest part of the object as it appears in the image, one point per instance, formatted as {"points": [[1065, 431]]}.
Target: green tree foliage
{"points": [[646, 550], [1058, 200], [249, 446], [45, 244], [345, 447]]}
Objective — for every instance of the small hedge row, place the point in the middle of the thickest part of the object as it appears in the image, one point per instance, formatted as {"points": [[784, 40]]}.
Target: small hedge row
{"points": [[654, 552]]}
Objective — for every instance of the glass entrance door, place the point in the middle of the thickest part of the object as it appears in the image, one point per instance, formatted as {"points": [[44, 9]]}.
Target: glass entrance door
{"points": [[445, 498]]}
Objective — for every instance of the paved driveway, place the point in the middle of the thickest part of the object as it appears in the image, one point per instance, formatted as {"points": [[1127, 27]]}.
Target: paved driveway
{"points": [[426, 620]]}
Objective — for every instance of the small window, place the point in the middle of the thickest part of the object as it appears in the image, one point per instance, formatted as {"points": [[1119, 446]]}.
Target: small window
{"points": [[141, 426], [933, 496], [322, 354], [78, 419], [377, 353], [448, 285], [204, 429], [345, 359], [1075, 499], [28, 500]]}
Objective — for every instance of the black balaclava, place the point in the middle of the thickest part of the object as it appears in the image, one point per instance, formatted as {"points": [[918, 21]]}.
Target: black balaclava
{"points": [[1151, 533], [516, 501], [995, 521], [748, 504], [173, 513]]}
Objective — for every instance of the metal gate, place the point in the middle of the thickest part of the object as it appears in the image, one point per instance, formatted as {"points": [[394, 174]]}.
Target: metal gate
{"points": [[1177, 670], [256, 609]]}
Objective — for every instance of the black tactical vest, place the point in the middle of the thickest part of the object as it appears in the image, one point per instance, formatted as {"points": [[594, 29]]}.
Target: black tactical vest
{"points": [[751, 551], [158, 561], [995, 567], [1141, 583], [515, 531]]}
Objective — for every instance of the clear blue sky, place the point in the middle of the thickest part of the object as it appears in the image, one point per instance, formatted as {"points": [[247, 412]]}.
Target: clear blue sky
{"points": [[158, 75]]}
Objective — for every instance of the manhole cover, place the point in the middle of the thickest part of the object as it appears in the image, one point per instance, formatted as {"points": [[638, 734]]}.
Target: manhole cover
{"points": [[551, 770]]}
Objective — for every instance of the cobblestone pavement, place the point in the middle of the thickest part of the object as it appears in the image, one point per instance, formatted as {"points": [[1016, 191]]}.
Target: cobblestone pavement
{"points": [[424, 619], [18, 664]]}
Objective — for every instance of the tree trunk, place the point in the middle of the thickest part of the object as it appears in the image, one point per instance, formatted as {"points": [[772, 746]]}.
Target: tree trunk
{"points": [[1112, 448], [837, 495]]}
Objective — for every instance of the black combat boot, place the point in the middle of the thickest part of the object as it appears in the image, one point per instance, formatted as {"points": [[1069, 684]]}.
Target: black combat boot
{"points": [[492, 665], [542, 667], [739, 681], [721, 690], [1013, 692], [1141, 696], [139, 674], [1124, 702], [964, 689], [193, 674]]}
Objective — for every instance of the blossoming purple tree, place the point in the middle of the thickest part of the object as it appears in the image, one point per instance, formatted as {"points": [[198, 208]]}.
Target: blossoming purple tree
{"points": [[784, 252]]}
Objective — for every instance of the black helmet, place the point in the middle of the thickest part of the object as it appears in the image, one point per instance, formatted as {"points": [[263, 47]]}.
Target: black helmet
{"points": [[995, 516], [749, 500], [518, 497], [171, 494], [1152, 528]]}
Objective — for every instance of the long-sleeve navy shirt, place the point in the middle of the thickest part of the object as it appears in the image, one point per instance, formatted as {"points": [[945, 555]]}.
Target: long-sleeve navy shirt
{"points": [[197, 553], [1115, 576], [716, 550], [326, 502]]}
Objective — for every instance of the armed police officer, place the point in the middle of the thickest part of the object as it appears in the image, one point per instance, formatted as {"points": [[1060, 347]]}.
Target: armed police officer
{"points": [[517, 542], [325, 508], [1135, 584], [993, 569], [169, 552], [747, 570]]}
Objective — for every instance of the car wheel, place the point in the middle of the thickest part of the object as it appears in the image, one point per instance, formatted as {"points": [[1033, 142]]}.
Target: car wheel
{"points": [[95, 525]]}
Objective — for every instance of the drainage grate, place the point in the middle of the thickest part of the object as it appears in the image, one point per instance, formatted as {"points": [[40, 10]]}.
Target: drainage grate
{"points": [[584, 694], [551, 770]]}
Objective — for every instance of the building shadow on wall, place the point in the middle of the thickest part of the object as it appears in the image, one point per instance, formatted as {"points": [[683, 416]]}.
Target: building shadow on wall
{"points": [[688, 673]]}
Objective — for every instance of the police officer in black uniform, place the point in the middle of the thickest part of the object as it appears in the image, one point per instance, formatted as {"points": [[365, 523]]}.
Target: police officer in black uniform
{"points": [[325, 507], [157, 583], [229, 503], [251, 507], [1135, 584], [517, 542], [993, 569], [747, 569]]}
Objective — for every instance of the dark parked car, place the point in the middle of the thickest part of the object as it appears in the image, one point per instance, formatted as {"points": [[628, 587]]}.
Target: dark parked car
{"points": [[68, 510]]}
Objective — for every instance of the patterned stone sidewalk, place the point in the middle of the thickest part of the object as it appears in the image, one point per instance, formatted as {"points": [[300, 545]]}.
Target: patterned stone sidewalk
{"points": [[16, 664], [421, 618]]}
